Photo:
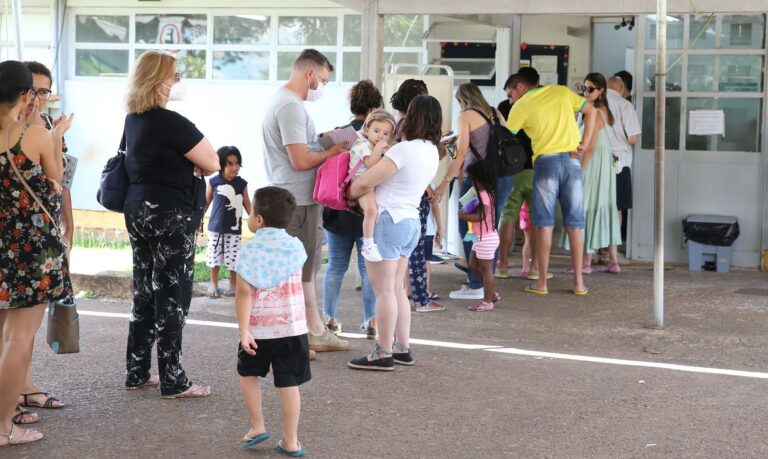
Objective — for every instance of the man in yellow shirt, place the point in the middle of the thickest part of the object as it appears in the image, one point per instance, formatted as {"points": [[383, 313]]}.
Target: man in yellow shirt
{"points": [[547, 114]]}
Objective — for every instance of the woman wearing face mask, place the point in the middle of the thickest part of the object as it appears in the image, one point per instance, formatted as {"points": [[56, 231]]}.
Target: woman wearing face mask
{"points": [[166, 156]]}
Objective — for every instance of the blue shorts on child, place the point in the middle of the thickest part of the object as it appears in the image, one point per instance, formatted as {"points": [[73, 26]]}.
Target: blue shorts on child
{"points": [[288, 357]]}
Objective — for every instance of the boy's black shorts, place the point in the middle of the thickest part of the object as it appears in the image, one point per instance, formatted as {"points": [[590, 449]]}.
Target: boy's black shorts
{"points": [[289, 358]]}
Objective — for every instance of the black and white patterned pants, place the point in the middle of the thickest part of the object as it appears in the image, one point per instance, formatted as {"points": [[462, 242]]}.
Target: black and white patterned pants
{"points": [[163, 241]]}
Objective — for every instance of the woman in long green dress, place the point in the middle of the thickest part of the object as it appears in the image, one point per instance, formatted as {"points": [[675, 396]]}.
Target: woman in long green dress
{"points": [[602, 227]]}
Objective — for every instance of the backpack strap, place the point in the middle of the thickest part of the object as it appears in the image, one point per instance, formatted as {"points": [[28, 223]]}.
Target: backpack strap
{"points": [[352, 173], [490, 123]]}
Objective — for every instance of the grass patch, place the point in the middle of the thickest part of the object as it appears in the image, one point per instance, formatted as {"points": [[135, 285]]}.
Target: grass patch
{"points": [[203, 272]]}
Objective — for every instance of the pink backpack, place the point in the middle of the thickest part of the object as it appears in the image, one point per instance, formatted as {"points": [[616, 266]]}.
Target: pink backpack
{"points": [[333, 179]]}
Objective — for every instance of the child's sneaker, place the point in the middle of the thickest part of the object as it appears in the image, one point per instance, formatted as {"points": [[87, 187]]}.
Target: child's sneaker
{"points": [[371, 253]]}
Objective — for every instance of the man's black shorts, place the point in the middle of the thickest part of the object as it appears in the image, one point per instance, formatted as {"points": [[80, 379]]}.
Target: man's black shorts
{"points": [[624, 189], [288, 357]]}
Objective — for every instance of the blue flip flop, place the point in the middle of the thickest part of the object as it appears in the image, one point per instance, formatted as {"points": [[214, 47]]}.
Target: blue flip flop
{"points": [[255, 440], [298, 453]]}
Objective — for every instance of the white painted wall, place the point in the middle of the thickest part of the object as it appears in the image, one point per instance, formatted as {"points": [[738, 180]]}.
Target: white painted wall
{"points": [[551, 30], [228, 114]]}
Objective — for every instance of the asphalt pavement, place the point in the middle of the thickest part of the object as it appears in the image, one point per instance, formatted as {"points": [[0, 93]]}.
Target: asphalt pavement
{"points": [[541, 376]]}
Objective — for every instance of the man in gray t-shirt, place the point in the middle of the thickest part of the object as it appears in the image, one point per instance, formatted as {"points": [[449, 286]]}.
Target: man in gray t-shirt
{"points": [[291, 159]]}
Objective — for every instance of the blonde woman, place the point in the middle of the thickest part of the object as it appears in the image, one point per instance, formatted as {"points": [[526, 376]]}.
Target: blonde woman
{"points": [[166, 157], [474, 130]]}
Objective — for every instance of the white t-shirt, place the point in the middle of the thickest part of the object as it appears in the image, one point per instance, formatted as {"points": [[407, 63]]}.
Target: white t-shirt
{"points": [[625, 125], [400, 195]]}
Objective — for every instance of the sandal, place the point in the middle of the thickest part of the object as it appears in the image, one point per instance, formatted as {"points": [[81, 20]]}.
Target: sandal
{"points": [[496, 297], [585, 269], [255, 440], [194, 391], [48, 404], [611, 268], [229, 293], [152, 381], [19, 417], [298, 453], [28, 436], [213, 293], [481, 307]]}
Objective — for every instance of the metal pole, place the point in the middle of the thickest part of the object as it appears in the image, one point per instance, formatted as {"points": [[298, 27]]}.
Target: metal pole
{"points": [[17, 21], [658, 229]]}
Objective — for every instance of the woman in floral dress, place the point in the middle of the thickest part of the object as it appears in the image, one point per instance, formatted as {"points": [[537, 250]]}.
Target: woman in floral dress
{"points": [[33, 268]]}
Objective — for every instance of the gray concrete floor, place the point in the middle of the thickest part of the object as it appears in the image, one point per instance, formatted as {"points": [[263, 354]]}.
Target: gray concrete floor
{"points": [[454, 402]]}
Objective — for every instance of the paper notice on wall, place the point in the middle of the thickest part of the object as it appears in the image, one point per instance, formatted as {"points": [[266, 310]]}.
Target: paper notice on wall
{"points": [[706, 122], [544, 64], [546, 79]]}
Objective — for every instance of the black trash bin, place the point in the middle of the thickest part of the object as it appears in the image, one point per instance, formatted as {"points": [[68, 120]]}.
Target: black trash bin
{"points": [[710, 238]]}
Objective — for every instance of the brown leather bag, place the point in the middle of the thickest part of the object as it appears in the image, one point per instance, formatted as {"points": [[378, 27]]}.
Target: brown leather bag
{"points": [[63, 327]]}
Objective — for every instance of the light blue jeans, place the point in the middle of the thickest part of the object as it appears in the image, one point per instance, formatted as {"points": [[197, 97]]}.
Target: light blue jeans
{"points": [[339, 252]]}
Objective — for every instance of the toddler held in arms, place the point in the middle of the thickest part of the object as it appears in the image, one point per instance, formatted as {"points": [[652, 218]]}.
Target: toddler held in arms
{"points": [[378, 129]]}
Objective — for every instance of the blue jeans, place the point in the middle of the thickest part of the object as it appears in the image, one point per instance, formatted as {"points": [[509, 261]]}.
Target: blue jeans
{"points": [[339, 252], [504, 188], [558, 177]]}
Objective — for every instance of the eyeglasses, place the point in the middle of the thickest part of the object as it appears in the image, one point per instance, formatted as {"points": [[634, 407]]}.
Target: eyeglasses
{"points": [[42, 94], [588, 89]]}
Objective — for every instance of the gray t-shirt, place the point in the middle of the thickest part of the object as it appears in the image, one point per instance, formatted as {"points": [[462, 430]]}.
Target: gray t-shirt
{"points": [[287, 122]]}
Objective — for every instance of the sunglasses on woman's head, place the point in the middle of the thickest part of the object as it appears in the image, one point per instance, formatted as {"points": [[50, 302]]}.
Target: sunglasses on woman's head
{"points": [[588, 89]]}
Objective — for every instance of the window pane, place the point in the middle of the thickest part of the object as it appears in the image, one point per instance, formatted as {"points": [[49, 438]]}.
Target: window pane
{"points": [[352, 30], [403, 30], [674, 32], [707, 38], [743, 118], [400, 58], [190, 62], [303, 30], [241, 65], [741, 73], [101, 29], [351, 70], [743, 32], [672, 123], [699, 142], [101, 62], [701, 73], [286, 59], [241, 30], [172, 29], [674, 78]]}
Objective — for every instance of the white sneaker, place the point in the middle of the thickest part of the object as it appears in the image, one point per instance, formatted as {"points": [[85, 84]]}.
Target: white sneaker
{"points": [[371, 253], [467, 293]]}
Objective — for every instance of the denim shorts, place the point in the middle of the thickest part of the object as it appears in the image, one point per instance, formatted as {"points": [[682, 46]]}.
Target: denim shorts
{"points": [[558, 177], [395, 240]]}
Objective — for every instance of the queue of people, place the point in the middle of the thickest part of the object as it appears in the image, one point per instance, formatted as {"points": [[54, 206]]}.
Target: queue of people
{"points": [[274, 275]]}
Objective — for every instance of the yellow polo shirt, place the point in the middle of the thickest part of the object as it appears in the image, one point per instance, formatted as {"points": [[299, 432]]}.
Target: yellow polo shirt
{"points": [[547, 116]]}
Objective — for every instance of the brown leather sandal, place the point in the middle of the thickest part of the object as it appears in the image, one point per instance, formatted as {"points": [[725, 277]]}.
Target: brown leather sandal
{"points": [[23, 416]]}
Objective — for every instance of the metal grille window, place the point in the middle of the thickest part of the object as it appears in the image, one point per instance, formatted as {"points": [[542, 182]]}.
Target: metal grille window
{"points": [[723, 70], [225, 45]]}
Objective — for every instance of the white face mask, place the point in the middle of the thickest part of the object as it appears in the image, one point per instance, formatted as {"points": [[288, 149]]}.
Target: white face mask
{"points": [[176, 92], [315, 94]]}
